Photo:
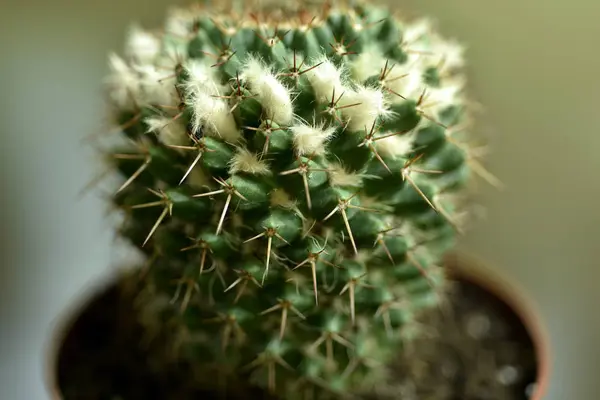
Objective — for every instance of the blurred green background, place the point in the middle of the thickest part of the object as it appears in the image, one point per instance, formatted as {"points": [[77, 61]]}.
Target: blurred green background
{"points": [[534, 64]]}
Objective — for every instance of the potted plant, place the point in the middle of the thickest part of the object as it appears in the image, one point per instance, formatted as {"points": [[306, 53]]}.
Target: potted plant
{"points": [[293, 178]]}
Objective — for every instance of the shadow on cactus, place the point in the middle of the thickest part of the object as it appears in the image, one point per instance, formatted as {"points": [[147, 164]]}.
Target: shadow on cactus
{"points": [[292, 178]]}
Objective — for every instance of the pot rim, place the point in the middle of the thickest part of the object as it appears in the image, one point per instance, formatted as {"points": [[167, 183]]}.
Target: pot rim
{"points": [[65, 320], [514, 296]]}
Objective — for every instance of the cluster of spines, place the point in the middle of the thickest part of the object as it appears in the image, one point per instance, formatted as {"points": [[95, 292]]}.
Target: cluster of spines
{"points": [[301, 146]]}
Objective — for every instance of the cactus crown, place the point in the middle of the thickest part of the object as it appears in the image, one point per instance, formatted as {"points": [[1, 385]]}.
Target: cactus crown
{"points": [[290, 178]]}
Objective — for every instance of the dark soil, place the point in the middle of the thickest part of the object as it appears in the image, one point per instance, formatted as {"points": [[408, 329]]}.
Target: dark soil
{"points": [[479, 350], [103, 357]]}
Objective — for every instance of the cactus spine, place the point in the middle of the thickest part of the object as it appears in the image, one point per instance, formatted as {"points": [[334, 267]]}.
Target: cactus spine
{"points": [[290, 178]]}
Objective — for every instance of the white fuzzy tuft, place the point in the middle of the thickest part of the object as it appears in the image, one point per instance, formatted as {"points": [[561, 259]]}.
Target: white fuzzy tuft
{"points": [[179, 22], [417, 37], [326, 78], [365, 105], [438, 99], [450, 52], [202, 79], [406, 80], [246, 161], [213, 116], [373, 203], [311, 139], [141, 46], [368, 63], [338, 176], [416, 31], [395, 146], [156, 90], [209, 113], [279, 198], [123, 83], [272, 94], [170, 132], [170, 58]]}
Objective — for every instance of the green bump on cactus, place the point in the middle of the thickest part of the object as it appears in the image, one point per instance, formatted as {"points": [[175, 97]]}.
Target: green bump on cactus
{"points": [[291, 178]]}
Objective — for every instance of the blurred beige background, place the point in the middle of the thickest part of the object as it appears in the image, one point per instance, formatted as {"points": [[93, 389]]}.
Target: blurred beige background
{"points": [[534, 64]]}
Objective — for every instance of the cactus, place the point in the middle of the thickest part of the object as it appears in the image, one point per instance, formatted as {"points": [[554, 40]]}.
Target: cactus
{"points": [[292, 179]]}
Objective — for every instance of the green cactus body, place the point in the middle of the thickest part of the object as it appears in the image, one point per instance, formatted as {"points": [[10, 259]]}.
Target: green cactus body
{"points": [[287, 178]]}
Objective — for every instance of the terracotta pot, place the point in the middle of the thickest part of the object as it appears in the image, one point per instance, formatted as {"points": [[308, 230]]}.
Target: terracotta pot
{"points": [[468, 268]]}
